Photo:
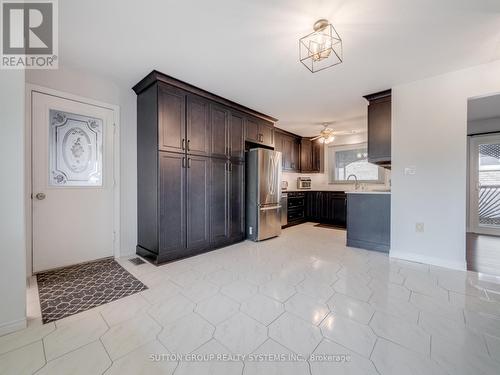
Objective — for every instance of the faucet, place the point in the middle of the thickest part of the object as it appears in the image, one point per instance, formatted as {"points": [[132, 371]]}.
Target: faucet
{"points": [[356, 182]]}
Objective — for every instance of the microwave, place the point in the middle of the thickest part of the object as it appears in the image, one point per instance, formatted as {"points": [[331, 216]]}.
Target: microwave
{"points": [[304, 183]]}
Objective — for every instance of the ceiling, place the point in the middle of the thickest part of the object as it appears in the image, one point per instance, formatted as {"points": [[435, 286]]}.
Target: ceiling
{"points": [[483, 108], [247, 51]]}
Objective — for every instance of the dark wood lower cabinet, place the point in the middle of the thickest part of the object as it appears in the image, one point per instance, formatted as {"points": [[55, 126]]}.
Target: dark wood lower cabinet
{"points": [[326, 207], [183, 206], [197, 203], [227, 202], [172, 210], [200, 206], [236, 196], [219, 223]]}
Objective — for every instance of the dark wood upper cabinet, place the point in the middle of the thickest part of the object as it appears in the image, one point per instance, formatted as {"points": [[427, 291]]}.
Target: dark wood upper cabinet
{"points": [[219, 118], [379, 128], [286, 152], [171, 119], [252, 130], [266, 131], [299, 154], [259, 131], [305, 155], [198, 126], [289, 146], [278, 145], [311, 156], [318, 157], [295, 157], [236, 136]]}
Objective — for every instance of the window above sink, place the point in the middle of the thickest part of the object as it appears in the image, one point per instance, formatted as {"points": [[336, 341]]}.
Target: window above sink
{"points": [[348, 160]]}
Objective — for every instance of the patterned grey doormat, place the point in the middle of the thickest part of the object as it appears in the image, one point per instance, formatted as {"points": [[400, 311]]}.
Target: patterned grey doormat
{"points": [[70, 290]]}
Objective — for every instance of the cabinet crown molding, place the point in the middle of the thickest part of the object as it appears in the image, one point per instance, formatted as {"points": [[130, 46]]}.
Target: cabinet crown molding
{"points": [[156, 76]]}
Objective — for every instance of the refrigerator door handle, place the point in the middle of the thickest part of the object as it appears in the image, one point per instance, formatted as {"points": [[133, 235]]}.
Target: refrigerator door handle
{"points": [[267, 208]]}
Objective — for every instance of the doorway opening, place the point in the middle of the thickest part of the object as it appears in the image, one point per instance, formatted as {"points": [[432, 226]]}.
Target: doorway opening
{"points": [[483, 208]]}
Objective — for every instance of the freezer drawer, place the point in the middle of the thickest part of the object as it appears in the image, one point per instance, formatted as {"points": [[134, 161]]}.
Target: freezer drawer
{"points": [[269, 222]]}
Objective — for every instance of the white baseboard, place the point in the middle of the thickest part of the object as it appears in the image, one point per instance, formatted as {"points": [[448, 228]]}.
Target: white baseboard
{"points": [[13, 326], [412, 257]]}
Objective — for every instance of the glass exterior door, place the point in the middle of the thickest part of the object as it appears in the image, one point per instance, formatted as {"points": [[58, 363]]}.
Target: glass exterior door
{"points": [[485, 184]]}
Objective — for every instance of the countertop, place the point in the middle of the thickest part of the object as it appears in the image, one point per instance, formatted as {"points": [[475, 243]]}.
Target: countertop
{"points": [[368, 192], [345, 191], [304, 190]]}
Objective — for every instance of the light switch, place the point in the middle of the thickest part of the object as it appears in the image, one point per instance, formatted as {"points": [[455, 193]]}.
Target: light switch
{"points": [[419, 227], [410, 171]]}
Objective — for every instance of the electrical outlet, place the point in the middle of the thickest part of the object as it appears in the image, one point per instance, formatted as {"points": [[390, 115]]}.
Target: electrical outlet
{"points": [[250, 230], [419, 227]]}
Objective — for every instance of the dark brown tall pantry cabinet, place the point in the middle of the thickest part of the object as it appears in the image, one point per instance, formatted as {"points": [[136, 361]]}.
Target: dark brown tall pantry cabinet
{"points": [[190, 168]]}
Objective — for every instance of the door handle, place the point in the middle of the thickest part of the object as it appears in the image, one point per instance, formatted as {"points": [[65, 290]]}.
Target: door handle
{"points": [[183, 162], [183, 143], [40, 196], [189, 145], [189, 162], [269, 208]]}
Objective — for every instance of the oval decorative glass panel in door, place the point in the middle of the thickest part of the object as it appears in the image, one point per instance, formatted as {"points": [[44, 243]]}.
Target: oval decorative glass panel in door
{"points": [[75, 149]]}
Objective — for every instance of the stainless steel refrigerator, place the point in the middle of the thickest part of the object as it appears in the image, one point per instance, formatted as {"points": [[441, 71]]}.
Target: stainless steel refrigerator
{"points": [[263, 193]]}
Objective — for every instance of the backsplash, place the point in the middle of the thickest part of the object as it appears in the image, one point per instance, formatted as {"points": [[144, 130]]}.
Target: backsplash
{"points": [[320, 180]]}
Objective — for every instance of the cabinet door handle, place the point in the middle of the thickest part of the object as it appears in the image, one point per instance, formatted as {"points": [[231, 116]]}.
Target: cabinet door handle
{"points": [[189, 162], [189, 145], [183, 162], [183, 143]]}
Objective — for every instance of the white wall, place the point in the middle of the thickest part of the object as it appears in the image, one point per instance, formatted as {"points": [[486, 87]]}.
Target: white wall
{"points": [[12, 222], [320, 180], [429, 127], [105, 90]]}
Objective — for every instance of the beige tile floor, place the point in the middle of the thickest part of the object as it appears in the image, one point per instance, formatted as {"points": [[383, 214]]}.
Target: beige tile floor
{"points": [[283, 306]]}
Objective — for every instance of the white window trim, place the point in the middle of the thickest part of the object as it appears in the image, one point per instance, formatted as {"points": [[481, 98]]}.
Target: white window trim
{"points": [[331, 165]]}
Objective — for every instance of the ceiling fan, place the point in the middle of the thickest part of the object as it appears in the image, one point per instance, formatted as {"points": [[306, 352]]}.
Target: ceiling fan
{"points": [[327, 135]]}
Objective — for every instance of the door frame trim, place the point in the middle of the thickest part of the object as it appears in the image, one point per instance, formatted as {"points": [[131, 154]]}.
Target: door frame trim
{"points": [[472, 198], [30, 89]]}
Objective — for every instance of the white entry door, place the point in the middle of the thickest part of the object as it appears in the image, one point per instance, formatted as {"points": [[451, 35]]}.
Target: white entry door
{"points": [[484, 168], [72, 181]]}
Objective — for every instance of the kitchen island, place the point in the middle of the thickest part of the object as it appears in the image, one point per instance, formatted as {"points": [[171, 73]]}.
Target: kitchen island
{"points": [[369, 220]]}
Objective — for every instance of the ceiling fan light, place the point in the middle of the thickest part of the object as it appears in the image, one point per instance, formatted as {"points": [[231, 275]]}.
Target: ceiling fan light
{"points": [[329, 139]]}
